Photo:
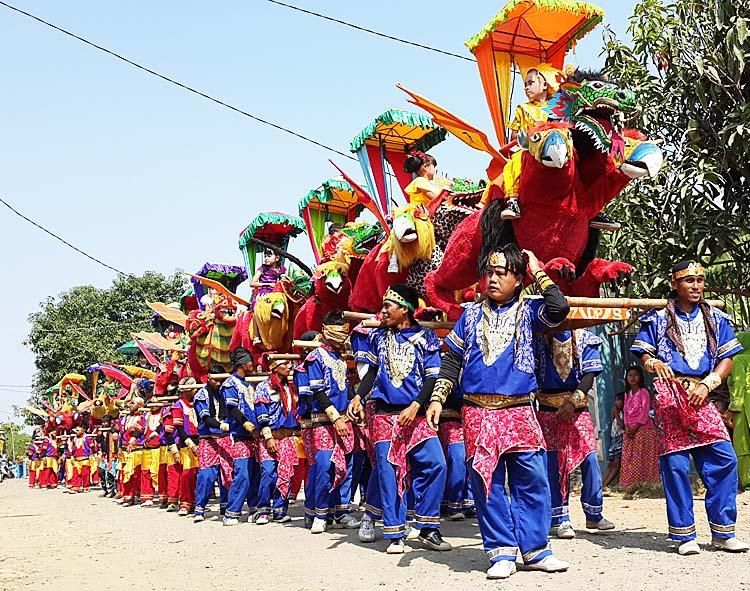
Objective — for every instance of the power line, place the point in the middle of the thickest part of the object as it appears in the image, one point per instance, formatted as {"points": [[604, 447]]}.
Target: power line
{"points": [[56, 237], [377, 33], [176, 83]]}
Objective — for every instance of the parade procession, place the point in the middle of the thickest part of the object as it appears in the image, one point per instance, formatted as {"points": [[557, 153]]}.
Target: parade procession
{"points": [[441, 351]]}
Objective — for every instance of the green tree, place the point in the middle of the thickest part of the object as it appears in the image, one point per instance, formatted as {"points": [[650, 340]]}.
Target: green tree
{"points": [[688, 62], [85, 325], [16, 442]]}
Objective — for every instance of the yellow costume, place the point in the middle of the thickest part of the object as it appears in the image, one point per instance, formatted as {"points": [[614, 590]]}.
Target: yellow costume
{"points": [[417, 189], [526, 116]]}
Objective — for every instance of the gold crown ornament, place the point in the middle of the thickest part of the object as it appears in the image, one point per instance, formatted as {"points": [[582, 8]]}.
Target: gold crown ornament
{"points": [[693, 269], [497, 259], [397, 299]]}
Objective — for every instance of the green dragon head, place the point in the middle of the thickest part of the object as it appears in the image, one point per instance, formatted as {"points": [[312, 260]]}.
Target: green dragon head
{"points": [[364, 236], [594, 106]]}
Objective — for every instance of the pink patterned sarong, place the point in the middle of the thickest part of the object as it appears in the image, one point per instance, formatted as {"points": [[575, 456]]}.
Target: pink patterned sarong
{"points": [[682, 426], [450, 432], [325, 438], [244, 449], [573, 440], [286, 459], [217, 452], [402, 440], [490, 433]]}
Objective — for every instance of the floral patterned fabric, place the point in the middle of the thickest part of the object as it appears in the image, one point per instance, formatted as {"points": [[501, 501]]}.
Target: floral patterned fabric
{"points": [[573, 440], [217, 451], [490, 433], [325, 438], [450, 432], [286, 459], [385, 427], [682, 426], [244, 449]]}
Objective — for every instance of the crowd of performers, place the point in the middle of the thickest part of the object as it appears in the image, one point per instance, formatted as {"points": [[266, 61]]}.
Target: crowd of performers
{"points": [[492, 423]]}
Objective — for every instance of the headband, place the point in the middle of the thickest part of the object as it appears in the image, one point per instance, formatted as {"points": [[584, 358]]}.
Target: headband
{"points": [[689, 271], [398, 299]]}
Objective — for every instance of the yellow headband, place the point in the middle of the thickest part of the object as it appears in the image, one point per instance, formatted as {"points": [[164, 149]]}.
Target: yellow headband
{"points": [[397, 299], [691, 270]]}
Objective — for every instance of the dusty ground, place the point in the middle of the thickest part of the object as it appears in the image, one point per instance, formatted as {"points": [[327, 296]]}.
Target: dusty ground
{"points": [[60, 542]]}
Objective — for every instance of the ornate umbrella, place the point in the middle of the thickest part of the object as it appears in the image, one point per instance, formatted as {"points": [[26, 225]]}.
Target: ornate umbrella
{"points": [[272, 227], [388, 139], [230, 276], [334, 201], [523, 34]]}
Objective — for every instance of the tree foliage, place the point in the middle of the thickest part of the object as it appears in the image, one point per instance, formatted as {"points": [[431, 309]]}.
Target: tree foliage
{"points": [[85, 325], [688, 63], [16, 442]]}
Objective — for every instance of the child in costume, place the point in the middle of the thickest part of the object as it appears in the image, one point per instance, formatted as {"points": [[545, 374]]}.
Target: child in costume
{"points": [[269, 273], [540, 84], [425, 187]]}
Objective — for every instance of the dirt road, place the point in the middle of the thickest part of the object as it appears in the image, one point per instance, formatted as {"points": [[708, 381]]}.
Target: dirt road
{"points": [[58, 542]]}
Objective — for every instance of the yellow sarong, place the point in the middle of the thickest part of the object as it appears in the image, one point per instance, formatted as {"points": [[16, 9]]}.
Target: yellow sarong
{"points": [[132, 459], [150, 460], [188, 458]]}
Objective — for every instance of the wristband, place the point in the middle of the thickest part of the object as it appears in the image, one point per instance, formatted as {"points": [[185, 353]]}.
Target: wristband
{"points": [[711, 381], [190, 443], [578, 398], [173, 449], [248, 426], [332, 414], [441, 391], [266, 432], [542, 280]]}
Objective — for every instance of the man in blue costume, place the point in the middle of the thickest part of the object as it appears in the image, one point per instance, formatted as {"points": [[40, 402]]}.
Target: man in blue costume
{"points": [[567, 365], [689, 345], [327, 433], [404, 361], [491, 358], [238, 398]]}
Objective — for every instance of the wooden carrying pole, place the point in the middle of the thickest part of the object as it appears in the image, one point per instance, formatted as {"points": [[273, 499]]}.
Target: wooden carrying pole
{"points": [[369, 320], [306, 344], [283, 357]]}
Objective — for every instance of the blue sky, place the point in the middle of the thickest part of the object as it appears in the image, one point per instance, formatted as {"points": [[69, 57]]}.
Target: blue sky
{"points": [[147, 176]]}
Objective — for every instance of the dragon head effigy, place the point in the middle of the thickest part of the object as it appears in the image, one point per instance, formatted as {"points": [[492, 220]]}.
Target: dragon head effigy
{"points": [[412, 236], [594, 105], [354, 240], [225, 310]]}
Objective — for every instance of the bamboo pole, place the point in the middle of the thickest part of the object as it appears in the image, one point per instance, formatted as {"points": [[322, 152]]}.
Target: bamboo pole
{"points": [[642, 303], [306, 344], [283, 357]]}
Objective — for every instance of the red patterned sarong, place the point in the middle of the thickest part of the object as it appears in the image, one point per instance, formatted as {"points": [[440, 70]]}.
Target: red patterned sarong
{"points": [[217, 452], [681, 425], [286, 459], [325, 438], [573, 440], [403, 439], [491, 433]]}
